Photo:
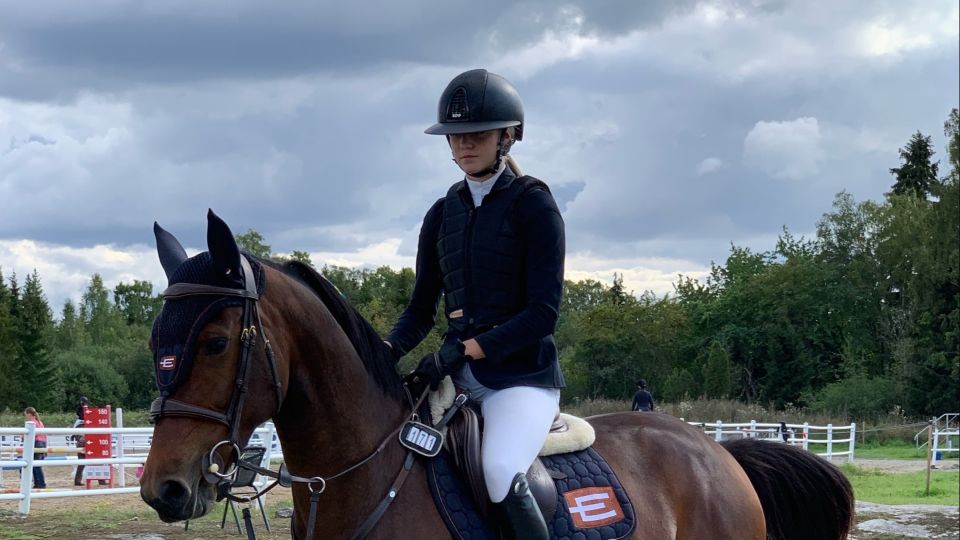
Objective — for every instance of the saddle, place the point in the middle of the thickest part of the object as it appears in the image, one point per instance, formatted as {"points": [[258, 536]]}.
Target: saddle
{"points": [[463, 440], [464, 433]]}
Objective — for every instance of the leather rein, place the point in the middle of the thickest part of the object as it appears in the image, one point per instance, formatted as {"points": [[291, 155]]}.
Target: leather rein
{"points": [[210, 469]]}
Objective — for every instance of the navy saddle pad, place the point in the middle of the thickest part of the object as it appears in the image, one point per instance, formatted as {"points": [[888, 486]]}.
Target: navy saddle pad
{"points": [[591, 503]]}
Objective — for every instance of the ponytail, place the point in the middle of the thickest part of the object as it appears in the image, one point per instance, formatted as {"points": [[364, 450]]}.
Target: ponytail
{"points": [[514, 166]]}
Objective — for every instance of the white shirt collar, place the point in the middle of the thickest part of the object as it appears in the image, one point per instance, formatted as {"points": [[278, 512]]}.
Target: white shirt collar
{"points": [[479, 189]]}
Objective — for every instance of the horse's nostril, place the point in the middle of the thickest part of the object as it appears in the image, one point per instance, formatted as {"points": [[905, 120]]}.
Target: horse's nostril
{"points": [[174, 491]]}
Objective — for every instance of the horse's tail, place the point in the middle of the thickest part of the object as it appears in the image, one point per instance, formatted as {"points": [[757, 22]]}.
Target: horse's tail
{"points": [[803, 495]]}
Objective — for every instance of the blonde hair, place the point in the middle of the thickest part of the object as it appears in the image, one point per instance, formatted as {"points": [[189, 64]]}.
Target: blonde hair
{"points": [[514, 166], [32, 412], [511, 162]]}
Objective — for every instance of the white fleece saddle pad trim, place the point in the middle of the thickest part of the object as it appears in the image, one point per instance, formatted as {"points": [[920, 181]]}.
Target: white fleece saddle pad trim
{"points": [[579, 435]]}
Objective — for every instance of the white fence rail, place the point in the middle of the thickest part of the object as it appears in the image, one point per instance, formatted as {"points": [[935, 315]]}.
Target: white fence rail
{"points": [[945, 429], [131, 445], [129, 450], [839, 440]]}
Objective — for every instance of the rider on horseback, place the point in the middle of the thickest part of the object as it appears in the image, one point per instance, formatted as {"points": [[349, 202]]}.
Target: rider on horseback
{"points": [[494, 245]]}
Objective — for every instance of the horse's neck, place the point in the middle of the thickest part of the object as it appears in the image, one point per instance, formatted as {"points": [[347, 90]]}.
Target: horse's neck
{"points": [[334, 414]]}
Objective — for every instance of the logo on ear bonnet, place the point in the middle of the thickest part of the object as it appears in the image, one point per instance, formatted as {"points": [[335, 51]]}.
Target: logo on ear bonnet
{"points": [[168, 363]]}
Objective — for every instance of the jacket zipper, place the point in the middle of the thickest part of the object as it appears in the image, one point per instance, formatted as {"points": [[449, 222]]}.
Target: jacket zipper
{"points": [[468, 260]]}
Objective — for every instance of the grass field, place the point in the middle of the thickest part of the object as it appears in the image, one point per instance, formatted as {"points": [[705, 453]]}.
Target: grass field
{"points": [[904, 488], [127, 517]]}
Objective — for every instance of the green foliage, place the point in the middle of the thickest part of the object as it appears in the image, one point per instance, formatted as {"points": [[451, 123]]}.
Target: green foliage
{"points": [[86, 374], [679, 385], [620, 343], [859, 396], [253, 243], [301, 256], [136, 302], [716, 372], [37, 379], [951, 128], [9, 358], [918, 174]]}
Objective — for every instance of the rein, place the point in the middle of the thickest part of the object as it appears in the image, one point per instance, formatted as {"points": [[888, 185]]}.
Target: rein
{"points": [[210, 469]]}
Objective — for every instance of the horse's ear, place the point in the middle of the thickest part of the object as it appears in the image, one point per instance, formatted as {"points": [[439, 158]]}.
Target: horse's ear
{"points": [[169, 249], [224, 253]]}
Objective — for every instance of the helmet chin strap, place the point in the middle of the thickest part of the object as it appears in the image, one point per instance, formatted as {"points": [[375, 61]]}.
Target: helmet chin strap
{"points": [[502, 150]]}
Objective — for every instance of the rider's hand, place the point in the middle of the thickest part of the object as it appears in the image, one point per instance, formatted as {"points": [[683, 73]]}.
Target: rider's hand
{"points": [[435, 366]]}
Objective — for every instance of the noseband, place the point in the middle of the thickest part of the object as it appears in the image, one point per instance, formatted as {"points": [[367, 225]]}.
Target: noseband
{"points": [[165, 406]]}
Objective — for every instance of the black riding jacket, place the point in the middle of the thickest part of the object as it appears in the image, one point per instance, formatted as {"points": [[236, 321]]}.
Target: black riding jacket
{"points": [[500, 268], [642, 401]]}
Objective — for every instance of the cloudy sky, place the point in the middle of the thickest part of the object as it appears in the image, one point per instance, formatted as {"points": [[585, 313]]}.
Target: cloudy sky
{"points": [[666, 129]]}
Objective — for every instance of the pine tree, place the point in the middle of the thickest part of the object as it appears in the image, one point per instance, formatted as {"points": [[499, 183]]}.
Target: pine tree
{"points": [[70, 330], [99, 314], [918, 175], [618, 294], [38, 376], [8, 348]]}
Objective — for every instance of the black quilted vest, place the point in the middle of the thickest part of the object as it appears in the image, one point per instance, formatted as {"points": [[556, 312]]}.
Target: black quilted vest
{"points": [[482, 257]]}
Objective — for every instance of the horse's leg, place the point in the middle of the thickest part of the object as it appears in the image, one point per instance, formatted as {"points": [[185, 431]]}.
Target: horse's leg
{"points": [[682, 484]]}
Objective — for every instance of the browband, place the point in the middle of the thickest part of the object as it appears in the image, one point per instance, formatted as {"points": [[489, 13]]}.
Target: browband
{"points": [[180, 290]]}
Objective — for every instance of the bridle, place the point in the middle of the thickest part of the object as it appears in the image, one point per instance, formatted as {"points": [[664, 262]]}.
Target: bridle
{"points": [[210, 469], [166, 406]]}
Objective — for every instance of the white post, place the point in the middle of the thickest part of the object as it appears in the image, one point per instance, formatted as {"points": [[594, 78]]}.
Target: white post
{"points": [[936, 445], [806, 435], [753, 428], [267, 456], [122, 468], [829, 441], [26, 474], [718, 436], [853, 437]]}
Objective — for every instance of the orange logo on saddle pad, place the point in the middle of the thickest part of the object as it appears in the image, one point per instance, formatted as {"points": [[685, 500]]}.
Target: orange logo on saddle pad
{"points": [[593, 507]]}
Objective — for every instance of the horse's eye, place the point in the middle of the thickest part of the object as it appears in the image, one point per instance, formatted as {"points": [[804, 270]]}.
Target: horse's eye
{"points": [[215, 346]]}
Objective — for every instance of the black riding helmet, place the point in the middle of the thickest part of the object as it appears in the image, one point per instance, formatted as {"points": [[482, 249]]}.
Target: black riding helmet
{"points": [[478, 100]]}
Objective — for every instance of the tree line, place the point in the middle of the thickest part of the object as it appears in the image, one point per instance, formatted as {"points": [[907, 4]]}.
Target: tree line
{"points": [[863, 318]]}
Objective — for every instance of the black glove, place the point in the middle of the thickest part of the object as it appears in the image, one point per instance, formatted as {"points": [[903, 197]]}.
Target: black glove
{"points": [[435, 366], [391, 352]]}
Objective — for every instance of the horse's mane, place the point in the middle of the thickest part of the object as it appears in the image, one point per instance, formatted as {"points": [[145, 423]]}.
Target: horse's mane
{"points": [[378, 361]]}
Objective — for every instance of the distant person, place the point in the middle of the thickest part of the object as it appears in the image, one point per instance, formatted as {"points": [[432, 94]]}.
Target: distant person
{"points": [[642, 400], [79, 439], [785, 433], [39, 441], [84, 402]]}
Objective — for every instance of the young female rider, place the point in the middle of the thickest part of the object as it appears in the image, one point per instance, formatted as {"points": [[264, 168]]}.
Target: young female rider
{"points": [[494, 245]]}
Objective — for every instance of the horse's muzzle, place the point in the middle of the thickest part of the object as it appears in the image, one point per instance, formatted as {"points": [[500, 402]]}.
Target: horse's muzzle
{"points": [[175, 501]]}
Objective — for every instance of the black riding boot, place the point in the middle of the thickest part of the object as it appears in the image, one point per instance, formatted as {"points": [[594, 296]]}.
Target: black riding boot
{"points": [[521, 515]]}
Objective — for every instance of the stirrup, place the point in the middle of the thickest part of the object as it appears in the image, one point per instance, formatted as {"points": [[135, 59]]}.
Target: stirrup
{"points": [[523, 519]]}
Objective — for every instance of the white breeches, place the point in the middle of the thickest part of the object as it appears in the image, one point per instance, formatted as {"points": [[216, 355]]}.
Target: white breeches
{"points": [[516, 422]]}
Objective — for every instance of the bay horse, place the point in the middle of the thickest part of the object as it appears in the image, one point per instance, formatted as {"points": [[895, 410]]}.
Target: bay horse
{"points": [[240, 341]]}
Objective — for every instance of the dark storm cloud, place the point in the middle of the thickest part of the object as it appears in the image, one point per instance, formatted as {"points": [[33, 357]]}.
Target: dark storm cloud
{"points": [[53, 49], [666, 130]]}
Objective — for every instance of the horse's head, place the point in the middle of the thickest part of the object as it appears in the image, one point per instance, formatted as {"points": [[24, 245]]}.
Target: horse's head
{"points": [[214, 369]]}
